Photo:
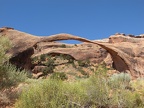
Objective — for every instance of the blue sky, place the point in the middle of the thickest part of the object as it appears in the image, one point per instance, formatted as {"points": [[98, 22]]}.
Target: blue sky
{"points": [[92, 19]]}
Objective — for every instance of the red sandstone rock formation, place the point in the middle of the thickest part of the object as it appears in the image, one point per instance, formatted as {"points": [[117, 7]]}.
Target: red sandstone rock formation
{"points": [[127, 52]]}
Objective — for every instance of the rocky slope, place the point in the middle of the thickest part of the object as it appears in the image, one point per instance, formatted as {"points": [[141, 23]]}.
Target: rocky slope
{"points": [[124, 52]]}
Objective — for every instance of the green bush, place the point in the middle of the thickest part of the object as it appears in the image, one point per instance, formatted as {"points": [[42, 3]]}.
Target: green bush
{"points": [[63, 46], [34, 60], [112, 92], [98, 90], [59, 76], [9, 75], [50, 66], [76, 94], [118, 80], [95, 92], [48, 70], [50, 61], [84, 73], [51, 94], [43, 57], [83, 63], [4, 46]]}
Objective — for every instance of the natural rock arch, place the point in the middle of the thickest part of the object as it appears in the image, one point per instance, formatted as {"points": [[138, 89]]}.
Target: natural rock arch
{"points": [[123, 61]]}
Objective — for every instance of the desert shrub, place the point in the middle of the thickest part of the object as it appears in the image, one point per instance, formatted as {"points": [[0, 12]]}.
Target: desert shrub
{"points": [[67, 57], [94, 92], [108, 92], [48, 70], [51, 94], [83, 72], [50, 66], [126, 99], [34, 60], [97, 88], [4, 99], [76, 94], [59, 76], [43, 57], [42, 95], [81, 77], [118, 80], [75, 45], [83, 63], [138, 86], [4, 46], [123, 93], [50, 61], [10, 76], [63, 46]]}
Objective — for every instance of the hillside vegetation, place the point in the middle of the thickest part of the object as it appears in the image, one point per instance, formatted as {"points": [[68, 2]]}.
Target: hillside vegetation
{"points": [[98, 91], [19, 89]]}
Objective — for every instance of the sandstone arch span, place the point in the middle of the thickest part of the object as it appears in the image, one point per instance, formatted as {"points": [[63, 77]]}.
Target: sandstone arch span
{"points": [[125, 55]]}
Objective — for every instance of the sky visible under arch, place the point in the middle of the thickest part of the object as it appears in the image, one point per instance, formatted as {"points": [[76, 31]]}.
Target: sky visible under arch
{"points": [[92, 19]]}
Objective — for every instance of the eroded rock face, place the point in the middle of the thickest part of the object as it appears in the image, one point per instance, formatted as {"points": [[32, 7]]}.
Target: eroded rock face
{"points": [[23, 59], [125, 38], [130, 50], [78, 52], [127, 52], [26, 46], [22, 47]]}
